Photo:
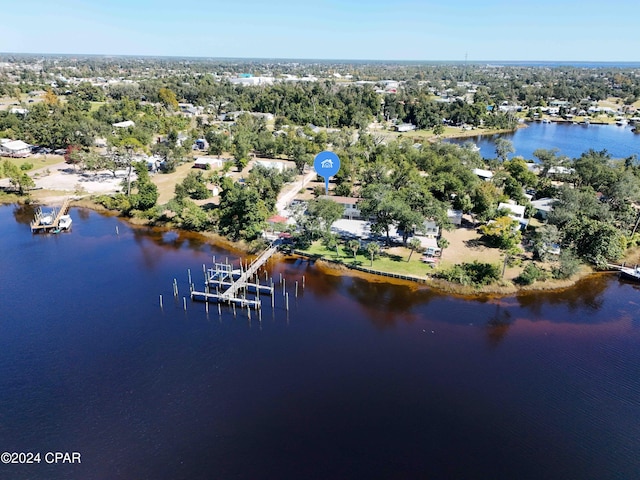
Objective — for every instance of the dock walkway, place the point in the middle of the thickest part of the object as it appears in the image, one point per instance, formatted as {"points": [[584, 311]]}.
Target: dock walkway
{"points": [[224, 277]]}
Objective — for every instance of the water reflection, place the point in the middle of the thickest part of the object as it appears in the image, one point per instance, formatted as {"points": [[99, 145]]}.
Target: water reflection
{"points": [[23, 214], [498, 325], [587, 294]]}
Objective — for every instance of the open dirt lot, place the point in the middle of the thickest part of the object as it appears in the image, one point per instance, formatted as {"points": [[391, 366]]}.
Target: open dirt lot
{"points": [[62, 178]]}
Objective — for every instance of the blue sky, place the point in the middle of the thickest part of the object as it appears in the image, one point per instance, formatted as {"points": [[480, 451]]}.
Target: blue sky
{"points": [[328, 29]]}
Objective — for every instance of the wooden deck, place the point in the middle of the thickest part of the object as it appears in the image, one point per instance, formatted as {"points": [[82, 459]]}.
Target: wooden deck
{"points": [[38, 226]]}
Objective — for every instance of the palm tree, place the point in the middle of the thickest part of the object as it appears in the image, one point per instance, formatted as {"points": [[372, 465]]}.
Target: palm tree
{"points": [[374, 249], [414, 244], [354, 246], [443, 243]]}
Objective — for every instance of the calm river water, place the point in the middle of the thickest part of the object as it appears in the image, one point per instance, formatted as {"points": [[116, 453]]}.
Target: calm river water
{"points": [[360, 379], [571, 140]]}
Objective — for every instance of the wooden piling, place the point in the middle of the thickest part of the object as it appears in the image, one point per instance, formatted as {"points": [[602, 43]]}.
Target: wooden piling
{"points": [[160, 301], [184, 303], [286, 301], [296, 289], [303, 282]]}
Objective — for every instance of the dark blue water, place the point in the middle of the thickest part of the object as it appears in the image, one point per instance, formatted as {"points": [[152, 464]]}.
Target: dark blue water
{"points": [[571, 140], [360, 379]]}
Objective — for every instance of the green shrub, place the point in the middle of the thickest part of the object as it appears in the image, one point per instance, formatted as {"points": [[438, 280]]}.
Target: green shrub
{"points": [[531, 274], [472, 274], [567, 266], [119, 201]]}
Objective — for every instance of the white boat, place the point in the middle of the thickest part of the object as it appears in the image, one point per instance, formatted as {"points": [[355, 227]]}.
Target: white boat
{"points": [[630, 273], [546, 120], [65, 222], [46, 219], [621, 123]]}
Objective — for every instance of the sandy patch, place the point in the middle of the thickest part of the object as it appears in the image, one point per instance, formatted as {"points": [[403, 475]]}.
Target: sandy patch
{"points": [[64, 178]]}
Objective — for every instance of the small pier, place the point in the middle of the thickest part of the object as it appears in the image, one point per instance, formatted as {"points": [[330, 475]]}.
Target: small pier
{"points": [[231, 286], [627, 272], [47, 222]]}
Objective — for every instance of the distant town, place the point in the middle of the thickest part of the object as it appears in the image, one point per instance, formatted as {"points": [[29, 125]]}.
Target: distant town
{"points": [[226, 148]]}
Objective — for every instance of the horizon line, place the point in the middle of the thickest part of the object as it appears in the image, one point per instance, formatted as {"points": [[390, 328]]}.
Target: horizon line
{"points": [[200, 57]]}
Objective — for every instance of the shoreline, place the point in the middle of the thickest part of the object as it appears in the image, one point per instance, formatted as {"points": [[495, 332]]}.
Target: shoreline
{"points": [[442, 287], [498, 290]]}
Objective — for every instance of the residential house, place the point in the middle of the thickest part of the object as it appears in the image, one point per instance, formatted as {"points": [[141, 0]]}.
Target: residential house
{"points": [[206, 163], [405, 127], [350, 204], [15, 148], [278, 165], [430, 229], [125, 124], [485, 175], [516, 212], [543, 206]]}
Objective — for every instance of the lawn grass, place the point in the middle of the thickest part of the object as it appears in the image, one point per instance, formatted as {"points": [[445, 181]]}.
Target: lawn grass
{"points": [[393, 261], [39, 161]]}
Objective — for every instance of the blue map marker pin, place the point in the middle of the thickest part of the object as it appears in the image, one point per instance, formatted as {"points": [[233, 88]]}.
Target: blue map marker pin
{"points": [[326, 164]]}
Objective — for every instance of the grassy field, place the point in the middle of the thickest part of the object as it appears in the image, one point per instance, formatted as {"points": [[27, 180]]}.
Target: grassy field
{"points": [[392, 260], [40, 161]]}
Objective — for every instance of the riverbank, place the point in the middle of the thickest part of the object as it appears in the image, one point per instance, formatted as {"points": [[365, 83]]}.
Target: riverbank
{"points": [[422, 278], [497, 290]]}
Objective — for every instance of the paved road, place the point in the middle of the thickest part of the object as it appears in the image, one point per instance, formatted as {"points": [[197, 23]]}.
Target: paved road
{"points": [[289, 192]]}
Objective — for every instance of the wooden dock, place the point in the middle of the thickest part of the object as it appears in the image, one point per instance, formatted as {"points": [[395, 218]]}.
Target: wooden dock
{"points": [[223, 276], [37, 224]]}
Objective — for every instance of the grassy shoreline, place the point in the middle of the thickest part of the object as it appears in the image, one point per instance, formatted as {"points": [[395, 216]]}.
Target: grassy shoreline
{"points": [[332, 263]]}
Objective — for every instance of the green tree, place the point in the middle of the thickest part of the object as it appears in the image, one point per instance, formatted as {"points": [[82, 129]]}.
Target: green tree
{"points": [[354, 246], [321, 214], [19, 179], [168, 98], [373, 249], [503, 148], [414, 244], [193, 186], [443, 243], [503, 233], [147, 191], [242, 212]]}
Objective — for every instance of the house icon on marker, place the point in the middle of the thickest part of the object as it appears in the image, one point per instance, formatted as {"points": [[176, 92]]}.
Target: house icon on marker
{"points": [[328, 163]]}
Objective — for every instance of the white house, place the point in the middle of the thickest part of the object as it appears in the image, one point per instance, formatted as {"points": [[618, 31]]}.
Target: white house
{"points": [[204, 163], [278, 165], [543, 206], [516, 212], [125, 124], [15, 148], [483, 174], [405, 127], [430, 229]]}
